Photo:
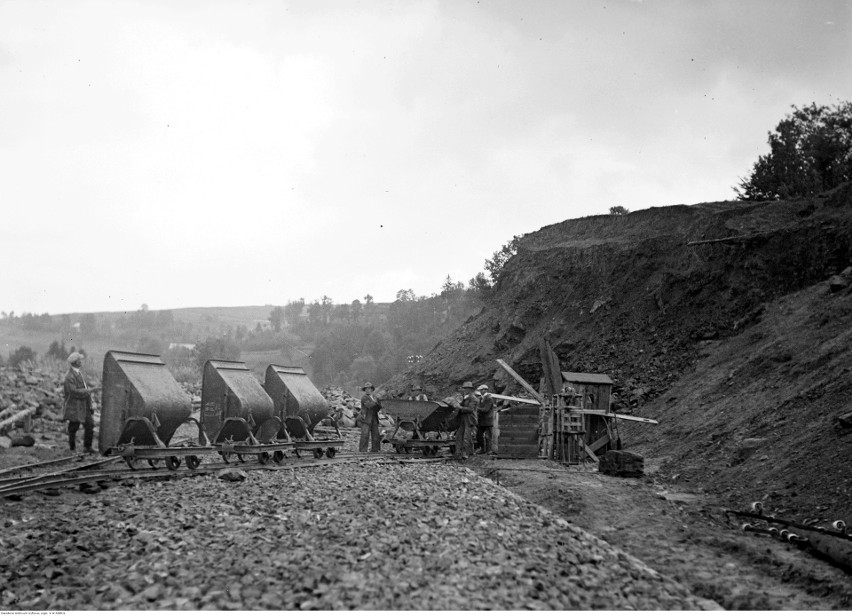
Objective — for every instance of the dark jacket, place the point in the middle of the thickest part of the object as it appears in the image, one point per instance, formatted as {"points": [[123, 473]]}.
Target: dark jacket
{"points": [[78, 399], [370, 406], [485, 410], [468, 404]]}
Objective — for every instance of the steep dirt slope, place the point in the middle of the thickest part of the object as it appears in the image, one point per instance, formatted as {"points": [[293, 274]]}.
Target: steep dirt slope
{"points": [[720, 340], [629, 296], [784, 380]]}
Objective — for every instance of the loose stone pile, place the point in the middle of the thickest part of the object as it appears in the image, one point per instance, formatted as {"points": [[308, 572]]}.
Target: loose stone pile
{"points": [[29, 397], [344, 407], [424, 536]]}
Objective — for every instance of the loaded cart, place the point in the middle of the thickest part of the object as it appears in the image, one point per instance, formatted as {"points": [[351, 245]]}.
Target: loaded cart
{"points": [[430, 425], [142, 407], [301, 407], [240, 414]]}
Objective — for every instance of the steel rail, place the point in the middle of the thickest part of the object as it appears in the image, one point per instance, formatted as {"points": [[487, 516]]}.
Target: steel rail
{"points": [[82, 477], [26, 467], [8, 483], [768, 518]]}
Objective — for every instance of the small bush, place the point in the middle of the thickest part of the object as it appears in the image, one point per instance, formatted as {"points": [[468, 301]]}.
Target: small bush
{"points": [[20, 355]]}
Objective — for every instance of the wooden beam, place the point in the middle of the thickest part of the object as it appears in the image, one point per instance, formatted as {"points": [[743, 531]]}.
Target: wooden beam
{"points": [[530, 389], [550, 367], [615, 415], [514, 399], [11, 421], [599, 443], [591, 453]]}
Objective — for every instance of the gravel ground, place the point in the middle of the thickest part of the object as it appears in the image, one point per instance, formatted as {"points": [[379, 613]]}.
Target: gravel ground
{"points": [[424, 536]]}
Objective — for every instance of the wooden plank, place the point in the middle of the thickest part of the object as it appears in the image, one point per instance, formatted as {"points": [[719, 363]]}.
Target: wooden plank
{"points": [[528, 449], [615, 415], [550, 367], [521, 422], [523, 411], [20, 415], [599, 443], [520, 428], [515, 399], [521, 414], [520, 438], [590, 453], [530, 390]]}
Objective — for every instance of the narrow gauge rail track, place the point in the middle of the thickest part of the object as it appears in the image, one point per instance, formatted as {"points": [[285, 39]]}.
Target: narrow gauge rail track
{"points": [[87, 475], [26, 467], [21, 474]]}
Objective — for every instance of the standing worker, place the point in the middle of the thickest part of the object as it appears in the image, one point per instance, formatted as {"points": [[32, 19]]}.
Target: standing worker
{"points": [[78, 404], [467, 421], [417, 394], [369, 419], [485, 424]]}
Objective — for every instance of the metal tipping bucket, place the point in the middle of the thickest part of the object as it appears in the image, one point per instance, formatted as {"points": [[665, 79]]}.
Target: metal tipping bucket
{"points": [[139, 386], [234, 406], [294, 395]]}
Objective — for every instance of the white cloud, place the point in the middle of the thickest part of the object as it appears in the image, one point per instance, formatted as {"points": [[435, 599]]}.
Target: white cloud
{"points": [[228, 153]]}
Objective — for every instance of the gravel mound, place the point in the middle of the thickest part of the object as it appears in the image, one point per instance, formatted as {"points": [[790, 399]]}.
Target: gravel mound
{"points": [[427, 536]]}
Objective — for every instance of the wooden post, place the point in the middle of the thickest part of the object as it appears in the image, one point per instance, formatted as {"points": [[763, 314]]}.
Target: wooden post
{"points": [[550, 368], [495, 433]]}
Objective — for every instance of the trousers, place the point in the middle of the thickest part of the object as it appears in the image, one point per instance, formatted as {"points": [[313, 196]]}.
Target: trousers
{"points": [[484, 438], [88, 434], [370, 432], [464, 434]]}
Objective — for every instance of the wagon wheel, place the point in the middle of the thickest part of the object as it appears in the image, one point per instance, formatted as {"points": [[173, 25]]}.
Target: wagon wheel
{"points": [[226, 457], [152, 462], [192, 462], [278, 456], [331, 452], [318, 452], [131, 461], [172, 463], [263, 457]]}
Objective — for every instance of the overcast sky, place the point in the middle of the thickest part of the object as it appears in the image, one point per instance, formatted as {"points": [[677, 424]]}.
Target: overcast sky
{"points": [[226, 153]]}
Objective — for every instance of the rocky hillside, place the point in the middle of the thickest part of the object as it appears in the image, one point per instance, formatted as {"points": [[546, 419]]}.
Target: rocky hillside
{"points": [[647, 297]]}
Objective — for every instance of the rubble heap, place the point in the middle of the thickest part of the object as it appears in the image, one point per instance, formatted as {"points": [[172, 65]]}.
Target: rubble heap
{"points": [[343, 406], [31, 398]]}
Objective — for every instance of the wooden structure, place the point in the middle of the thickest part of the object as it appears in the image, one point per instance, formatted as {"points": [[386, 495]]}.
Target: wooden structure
{"points": [[570, 426], [591, 392], [518, 435], [594, 391]]}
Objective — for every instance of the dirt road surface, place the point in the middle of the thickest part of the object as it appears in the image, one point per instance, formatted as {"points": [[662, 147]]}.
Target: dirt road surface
{"points": [[682, 535]]}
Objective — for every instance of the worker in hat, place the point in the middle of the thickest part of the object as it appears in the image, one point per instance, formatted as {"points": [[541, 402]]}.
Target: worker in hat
{"points": [[78, 404], [485, 420], [467, 421], [417, 394], [369, 419]]}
